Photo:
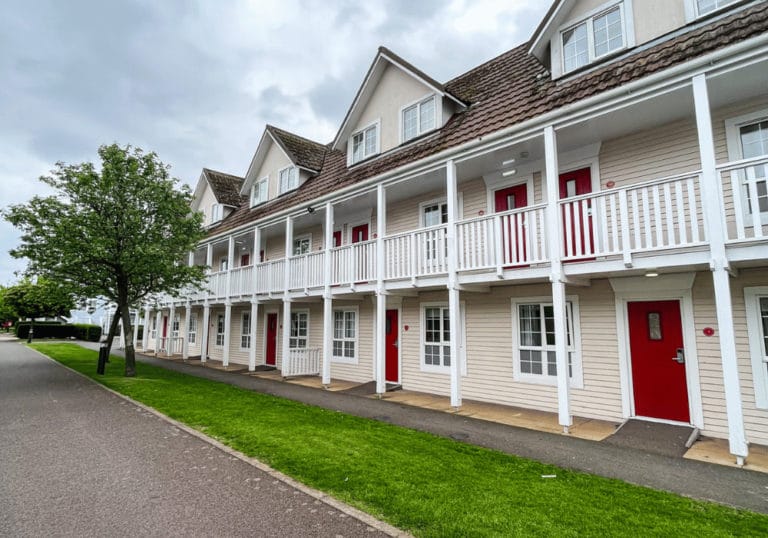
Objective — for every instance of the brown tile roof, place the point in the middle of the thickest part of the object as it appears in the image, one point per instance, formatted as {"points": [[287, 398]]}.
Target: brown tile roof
{"points": [[225, 187], [505, 91], [302, 151]]}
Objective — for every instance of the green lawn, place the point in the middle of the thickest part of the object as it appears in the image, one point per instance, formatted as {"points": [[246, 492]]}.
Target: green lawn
{"points": [[425, 484]]}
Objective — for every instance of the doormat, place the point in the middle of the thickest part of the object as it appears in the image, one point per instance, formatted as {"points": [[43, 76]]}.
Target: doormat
{"points": [[664, 439]]}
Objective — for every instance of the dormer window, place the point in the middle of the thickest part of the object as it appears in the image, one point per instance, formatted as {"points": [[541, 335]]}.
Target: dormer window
{"points": [[289, 179], [217, 212], [365, 143], [593, 38], [419, 118], [707, 6], [259, 192]]}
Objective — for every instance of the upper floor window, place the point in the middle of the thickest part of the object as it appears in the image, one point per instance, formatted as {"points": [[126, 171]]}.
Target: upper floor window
{"points": [[302, 245], [706, 6], [217, 212], [365, 143], [593, 38], [259, 192], [754, 143], [419, 118], [288, 179]]}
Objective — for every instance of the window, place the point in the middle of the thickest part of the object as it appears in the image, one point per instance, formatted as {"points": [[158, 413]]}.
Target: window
{"points": [[153, 328], [756, 301], [220, 330], [245, 331], [436, 334], [419, 118], [259, 192], [435, 214], [175, 326], [299, 330], [223, 264], [217, 212], [288, 179], [706, 6], [302, 245], [345, 334], [754, 143], [192, 335], [365, 143], [593, 38], [534, 337]]}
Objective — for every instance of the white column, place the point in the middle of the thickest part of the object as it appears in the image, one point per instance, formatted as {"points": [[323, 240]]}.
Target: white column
{"points": [[230, 264], [205, 330], [555, 240], [159, 331], [145, 334], [227, 331], [169, 335], [136, 328], [187, 326], [454, 308], [327, 296], [252, 349], [286, 288], [712, 204], [286, 330], [381, 297], [256, 257]]}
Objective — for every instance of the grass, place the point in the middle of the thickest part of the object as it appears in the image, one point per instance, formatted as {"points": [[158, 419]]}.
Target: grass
{"points": [[419, 482]]}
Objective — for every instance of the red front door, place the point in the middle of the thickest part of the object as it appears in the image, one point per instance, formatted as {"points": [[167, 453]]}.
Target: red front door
{"points": [[337, 238], [165, 326], [392, 359], [514, 248], [657, 353], [360, 233], [245, 259], [271, 350], [578, 235]]}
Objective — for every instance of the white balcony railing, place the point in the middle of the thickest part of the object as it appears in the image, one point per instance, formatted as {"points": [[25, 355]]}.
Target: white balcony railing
{"points": [[241, 281], [217, 284], [415, 254], [354, 263], [270, 277], [302, 362], [744, 186], [306, 271]]}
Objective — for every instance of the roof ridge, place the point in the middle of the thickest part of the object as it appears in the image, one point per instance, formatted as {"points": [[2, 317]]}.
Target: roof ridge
{"points": [[206, 169]]}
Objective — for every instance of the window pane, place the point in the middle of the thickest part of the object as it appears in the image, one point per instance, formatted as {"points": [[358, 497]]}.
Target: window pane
{"points": [[432, 215], [370, 141], [338, 348], [608, 32], [705, 6], [349, 326], [358, 147], [446, 355], [427, 115], [764, 318], [549, 324], [575, 47], [410, 116], [446, 326], [349, 350], [754, 139], [551, 363], [338, 325], [530, 325]]}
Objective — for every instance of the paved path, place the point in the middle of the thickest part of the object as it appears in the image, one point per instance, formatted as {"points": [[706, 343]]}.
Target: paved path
{"points": [[76, 460]]}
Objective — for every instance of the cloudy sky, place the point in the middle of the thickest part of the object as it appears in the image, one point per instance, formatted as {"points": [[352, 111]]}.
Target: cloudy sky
{"points": [[196, 81]]}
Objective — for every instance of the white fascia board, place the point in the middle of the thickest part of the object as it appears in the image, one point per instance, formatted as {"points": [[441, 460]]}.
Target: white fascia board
{"points": [[540, 43]]}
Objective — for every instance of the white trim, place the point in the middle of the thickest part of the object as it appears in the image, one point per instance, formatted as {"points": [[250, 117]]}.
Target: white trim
{"points": [[192, 316], [216, 332], [299, 311], [733, 126], [246, 312], [294, 177], [439, 200], [417, 103], [576, 380], [376, 124], [661, 288], [346, 360], [692, 10], [431, 368], [756, 345]]}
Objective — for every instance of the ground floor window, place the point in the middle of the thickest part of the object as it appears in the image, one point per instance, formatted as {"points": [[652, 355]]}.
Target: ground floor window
{"points": [[245, 331], [220, 330], [192, 335], [299, 330], [756, 301], [153, 328], [175, 326], [534, 341], [345, 334], [436, 335]]}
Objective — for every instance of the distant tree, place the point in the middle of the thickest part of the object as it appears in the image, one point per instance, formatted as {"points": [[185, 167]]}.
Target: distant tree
{"points": [[7, 313], [122, 232], [41, 299]]}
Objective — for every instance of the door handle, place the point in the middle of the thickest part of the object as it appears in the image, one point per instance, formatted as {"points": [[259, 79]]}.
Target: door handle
{"points": [[679, 356]]}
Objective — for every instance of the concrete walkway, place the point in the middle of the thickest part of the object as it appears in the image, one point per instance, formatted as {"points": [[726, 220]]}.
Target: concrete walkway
{"points": [[727, 485], [78, 460]]}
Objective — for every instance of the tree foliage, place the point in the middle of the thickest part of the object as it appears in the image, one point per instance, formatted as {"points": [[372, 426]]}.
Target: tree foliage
{"points": [[122, 232], [33, 300]]}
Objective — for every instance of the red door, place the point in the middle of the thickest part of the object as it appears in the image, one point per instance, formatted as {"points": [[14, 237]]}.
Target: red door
{"points": [[658, 367], [578, 235], [245, 259], [271, 351], [165, 326], [514, 248], [360, 233], [392, 359], [337, 238]]}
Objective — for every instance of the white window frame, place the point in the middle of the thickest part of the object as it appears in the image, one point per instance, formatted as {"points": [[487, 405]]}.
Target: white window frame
{"points": [[293, 179], [442, 368], [733, 142], [153, 329], [628, 35], [175, 325], [291, 337], [757, 354], [355, 340], [297, 240], [192, 334], [220, 336], [453, 329], [245, 335], [257, 188], [692, 11], [576, 380], [217, 212], [441, 200], [351, 143], [436, 99]]}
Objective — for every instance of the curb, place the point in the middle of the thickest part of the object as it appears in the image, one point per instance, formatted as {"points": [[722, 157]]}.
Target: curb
{"points": [[364, 517]]}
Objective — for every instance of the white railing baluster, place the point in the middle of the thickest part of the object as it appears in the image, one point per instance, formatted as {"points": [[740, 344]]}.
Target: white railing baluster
{"points": [[694, 210]]}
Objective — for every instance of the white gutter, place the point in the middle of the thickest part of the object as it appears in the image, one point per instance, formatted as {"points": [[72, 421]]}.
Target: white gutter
{"points": [[651, 83]]}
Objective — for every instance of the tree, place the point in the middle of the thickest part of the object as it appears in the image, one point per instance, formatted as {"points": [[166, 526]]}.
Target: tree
{"points": [[39, 299], [123, 232], [7, 313]]}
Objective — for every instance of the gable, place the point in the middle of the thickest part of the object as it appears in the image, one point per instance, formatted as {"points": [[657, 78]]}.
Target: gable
{"points": [[273, 161]]}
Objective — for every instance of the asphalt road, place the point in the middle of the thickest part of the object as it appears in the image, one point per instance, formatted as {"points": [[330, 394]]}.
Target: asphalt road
{"points": [[76, 460]]}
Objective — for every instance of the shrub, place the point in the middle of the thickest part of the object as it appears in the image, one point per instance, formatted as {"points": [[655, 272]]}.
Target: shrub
{"points": [[83, 331], [48, 329]]}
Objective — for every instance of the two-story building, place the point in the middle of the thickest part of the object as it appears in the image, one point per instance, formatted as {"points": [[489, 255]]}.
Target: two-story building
{"points": [[579, 225]]}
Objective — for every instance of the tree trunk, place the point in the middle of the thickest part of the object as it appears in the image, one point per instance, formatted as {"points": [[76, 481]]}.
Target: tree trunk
{"points": [[31, 331], [130, 353], [112, 331]]}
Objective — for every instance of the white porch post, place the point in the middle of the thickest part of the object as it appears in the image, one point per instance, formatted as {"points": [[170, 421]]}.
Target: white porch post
{"points": [[381, 297], [169, 334], [555, 242], [256, 257], [158, 331], [145, 334], [230, 264], [227, 332], [286, 291], [205, 328], [252, 349], [136, 328], [712, 204], [454, 308], [286, 330], [328, 297], [187, 326]]}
